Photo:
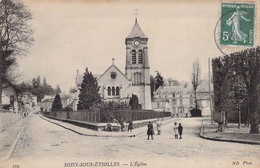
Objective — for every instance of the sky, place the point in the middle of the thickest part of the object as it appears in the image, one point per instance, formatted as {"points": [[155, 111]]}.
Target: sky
{"points": [[71, 35]]}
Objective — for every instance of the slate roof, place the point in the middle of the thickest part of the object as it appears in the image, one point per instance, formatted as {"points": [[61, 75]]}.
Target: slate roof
{"points": [[136, 31], [172, 89], [116, 69], [64, 97], [79, 77]]}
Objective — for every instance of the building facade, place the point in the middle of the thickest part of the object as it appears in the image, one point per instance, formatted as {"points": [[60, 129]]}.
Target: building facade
{"points": [[118, 86], [176, 99], [10, 95]]}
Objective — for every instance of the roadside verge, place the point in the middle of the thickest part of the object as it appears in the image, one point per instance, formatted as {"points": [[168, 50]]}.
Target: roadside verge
{"points": [[232, 134]]}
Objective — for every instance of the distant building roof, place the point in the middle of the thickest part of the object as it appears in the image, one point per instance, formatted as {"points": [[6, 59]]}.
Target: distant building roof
{"points": [[204, 86], [8, 83], [64, 97], [172, 89], [48, 100], [79, 78]]}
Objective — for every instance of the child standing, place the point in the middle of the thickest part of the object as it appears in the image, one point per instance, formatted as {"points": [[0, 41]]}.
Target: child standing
{"points": [[150, 130], [159, 125], [175, 130], [180, 130]]}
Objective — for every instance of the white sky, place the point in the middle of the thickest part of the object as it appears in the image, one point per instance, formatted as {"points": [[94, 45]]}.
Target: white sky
{"points": [[71, 35]]}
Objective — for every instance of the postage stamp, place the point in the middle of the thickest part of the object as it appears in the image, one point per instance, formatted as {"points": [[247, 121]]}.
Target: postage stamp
{"points": [[237, 25]]}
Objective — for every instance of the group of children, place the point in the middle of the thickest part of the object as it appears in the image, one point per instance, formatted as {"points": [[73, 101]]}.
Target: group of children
{"points": [[176, 129]]}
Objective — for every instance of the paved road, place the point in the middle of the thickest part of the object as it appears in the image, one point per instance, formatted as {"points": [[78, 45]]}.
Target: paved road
{"points": [[47, 144]]}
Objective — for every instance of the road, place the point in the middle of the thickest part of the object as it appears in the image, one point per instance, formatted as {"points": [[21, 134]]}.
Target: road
{"points": [[48, 145]]}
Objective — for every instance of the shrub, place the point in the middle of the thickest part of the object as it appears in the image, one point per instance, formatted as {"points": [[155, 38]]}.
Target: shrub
{"points": [[195, 112]]}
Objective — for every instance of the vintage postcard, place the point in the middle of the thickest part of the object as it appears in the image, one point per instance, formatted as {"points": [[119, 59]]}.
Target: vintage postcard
{"points": [[110, 83]]}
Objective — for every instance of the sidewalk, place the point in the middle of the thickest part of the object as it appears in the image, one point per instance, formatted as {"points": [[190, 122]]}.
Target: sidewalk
{"points": [[8, 118], [10, 136], [88, 132], [231, 134]]}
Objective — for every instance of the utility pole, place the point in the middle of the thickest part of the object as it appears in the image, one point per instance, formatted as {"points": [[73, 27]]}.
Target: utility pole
{"points": [[210, 100]]}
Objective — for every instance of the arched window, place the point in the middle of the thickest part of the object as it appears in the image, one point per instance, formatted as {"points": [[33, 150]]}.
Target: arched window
{"points": [[113, 91], [133, 57], [140, 57], [137, 78], [109, 91], [117, 91]]}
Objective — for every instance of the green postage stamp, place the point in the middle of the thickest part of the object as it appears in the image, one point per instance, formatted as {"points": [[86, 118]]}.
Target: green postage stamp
{"points": [[237, 24]]}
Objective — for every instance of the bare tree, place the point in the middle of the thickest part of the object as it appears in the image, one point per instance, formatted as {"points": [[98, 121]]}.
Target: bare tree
{"points": [[195, 79], [15, 37]]}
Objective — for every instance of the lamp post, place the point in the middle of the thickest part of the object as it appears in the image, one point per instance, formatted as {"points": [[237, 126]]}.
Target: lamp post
{"points": [[210, 98]]}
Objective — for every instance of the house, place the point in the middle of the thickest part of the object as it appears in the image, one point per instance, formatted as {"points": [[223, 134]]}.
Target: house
{"points": [[28, 101], [65, 100], [46, 103], [178, 99], [203, 96], [10, 94]]}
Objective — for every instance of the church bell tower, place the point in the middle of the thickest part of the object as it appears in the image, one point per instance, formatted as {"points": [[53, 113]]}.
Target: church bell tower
{"points": [[137, 65]]}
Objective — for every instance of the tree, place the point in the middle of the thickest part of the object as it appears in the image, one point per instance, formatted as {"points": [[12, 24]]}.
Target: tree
{"points": [[57, 90], [113, 110], [46, 89], [249, 64], [56, 105], [15, 37], [73, 90], [195, 79], [237, 93], [44, 82], [152, 82], [236, 78], [37, 88], [88, 92], [39, 80], [221, 69], [158, 80], [24, 87], [134, 102]]}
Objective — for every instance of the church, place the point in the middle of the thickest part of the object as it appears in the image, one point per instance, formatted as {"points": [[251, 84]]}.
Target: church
{"points": [[118, 86]]}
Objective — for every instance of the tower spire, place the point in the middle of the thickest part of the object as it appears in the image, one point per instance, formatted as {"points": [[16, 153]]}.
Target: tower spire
{"points": [[136, 14]]}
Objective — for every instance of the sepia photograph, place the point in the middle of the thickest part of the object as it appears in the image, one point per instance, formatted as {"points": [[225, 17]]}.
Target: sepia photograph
{"points": [[129, 83]]}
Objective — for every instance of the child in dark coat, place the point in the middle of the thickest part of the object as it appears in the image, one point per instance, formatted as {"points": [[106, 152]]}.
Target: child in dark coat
{"points": [[180, 130], [150, 130]]}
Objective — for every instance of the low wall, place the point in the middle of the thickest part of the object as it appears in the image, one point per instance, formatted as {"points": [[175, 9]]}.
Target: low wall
{"points": [[103, 126], [89, 125], [98, 117]]}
